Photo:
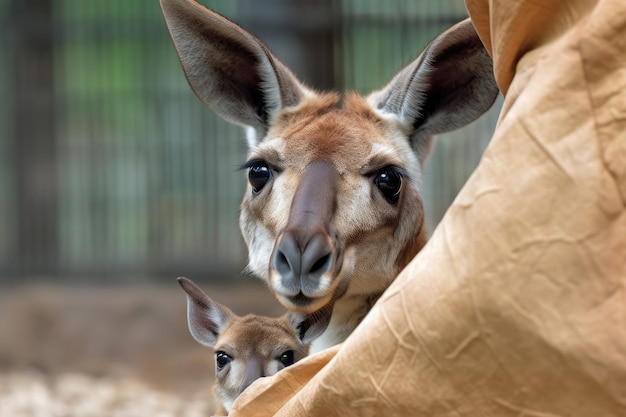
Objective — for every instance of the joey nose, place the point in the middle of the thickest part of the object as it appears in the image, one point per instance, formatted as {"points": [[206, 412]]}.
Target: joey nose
{"points": [[254, 371], [301, 266]]}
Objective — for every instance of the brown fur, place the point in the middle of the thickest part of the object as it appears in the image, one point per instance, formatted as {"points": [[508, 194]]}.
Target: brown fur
{"points": [[254, 345], [250, 336]]}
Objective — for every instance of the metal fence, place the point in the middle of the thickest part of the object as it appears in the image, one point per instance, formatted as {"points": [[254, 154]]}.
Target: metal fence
{"points": [[110, 166]]}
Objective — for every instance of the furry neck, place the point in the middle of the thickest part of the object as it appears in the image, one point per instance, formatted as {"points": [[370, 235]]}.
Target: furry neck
{"points": [[347, 314]]}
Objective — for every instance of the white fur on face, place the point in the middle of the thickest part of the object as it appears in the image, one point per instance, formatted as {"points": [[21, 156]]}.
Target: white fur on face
{"points": [[260, 245]]}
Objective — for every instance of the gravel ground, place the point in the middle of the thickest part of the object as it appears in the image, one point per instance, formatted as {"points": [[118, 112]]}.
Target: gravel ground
{"points": [[33, 394]]}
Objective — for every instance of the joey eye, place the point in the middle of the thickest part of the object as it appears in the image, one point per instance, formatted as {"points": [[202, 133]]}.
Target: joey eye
{"points": [[286, 358], [259, 174], [389, 182], [222, 359]]}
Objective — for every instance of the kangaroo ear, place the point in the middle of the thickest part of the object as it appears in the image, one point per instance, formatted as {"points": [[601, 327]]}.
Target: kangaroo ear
{"points": [[448, 86], [310, 326], [228, 68], [205, 318]]}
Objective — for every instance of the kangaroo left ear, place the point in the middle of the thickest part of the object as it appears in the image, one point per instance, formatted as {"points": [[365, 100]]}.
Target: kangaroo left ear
{"points": [[310, 326], [229, 69], [448, 86]]}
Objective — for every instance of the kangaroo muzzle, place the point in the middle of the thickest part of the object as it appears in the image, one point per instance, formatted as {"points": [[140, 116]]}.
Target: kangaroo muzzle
{"points": [[304, 261]]}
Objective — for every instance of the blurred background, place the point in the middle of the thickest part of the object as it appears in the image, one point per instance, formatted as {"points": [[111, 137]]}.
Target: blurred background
{"points": [[115, 179]]}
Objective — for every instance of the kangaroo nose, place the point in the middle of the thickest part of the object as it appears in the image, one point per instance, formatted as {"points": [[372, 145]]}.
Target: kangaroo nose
{"points": [[301, 268]]}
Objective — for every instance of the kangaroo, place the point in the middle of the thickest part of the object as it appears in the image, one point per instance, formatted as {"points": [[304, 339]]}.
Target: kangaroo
{"points": [[249, 347], [333, 210]]}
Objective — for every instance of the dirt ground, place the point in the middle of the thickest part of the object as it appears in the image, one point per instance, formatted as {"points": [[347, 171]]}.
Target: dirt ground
{"points": [[109, 351]]}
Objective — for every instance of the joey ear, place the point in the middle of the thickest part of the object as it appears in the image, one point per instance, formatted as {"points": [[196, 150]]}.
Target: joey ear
{"points": [[205, 318], [228, 68], [448, 86], [311, 326]]}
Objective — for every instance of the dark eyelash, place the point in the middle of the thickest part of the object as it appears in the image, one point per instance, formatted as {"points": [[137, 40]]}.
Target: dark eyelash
{"points": [[255, 161], [403, 173], [251, 163]]}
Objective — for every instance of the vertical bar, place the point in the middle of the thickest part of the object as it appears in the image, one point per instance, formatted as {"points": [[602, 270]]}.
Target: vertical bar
{"points": [[34, 140]]}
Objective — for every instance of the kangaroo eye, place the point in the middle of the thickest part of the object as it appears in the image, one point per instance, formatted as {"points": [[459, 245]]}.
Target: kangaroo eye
{"points": [[222, 359], [259, 174], [389, 182], [286, 358]]}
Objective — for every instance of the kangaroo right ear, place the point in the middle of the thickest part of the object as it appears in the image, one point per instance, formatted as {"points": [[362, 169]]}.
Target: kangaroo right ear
{"points": [[448, 86], [205, 318], [228, 68]]}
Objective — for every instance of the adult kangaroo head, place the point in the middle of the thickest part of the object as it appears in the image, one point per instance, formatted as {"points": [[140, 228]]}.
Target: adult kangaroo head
{"points": [[333, 209]]}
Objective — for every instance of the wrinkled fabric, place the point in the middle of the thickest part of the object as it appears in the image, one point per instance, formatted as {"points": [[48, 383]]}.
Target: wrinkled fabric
{"points": [[517, 305]]}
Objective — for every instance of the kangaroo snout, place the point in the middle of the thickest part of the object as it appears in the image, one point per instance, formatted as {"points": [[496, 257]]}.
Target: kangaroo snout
{"points": [[302, 266]]}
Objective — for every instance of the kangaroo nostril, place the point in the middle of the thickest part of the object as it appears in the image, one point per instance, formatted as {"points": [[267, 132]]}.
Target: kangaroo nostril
{"points": [[287, 259], [322, 264], [281, 263], [317, 257]]}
